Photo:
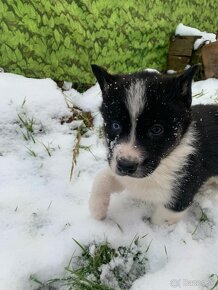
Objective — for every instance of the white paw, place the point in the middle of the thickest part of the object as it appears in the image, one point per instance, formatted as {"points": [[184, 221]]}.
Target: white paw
{"points": [[98, 207]]}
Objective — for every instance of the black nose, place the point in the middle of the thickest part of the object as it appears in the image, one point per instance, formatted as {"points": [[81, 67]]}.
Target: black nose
{"points": [[126, 167]]}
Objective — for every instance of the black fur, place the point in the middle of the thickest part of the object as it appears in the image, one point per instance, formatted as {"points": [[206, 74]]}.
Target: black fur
{"points": [[204, 163]]}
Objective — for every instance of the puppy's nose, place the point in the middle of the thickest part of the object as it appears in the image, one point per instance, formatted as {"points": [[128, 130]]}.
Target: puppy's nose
{"points": [[126, 167]]}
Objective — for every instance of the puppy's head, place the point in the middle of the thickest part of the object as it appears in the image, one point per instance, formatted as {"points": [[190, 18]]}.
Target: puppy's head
{"points": [[145, 116]]}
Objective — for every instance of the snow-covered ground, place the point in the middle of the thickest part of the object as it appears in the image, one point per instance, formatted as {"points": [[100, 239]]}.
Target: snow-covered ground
{"points": [[41, 210]]}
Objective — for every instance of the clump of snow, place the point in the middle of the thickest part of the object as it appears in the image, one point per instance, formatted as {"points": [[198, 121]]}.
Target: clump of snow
{"points": [[41, 210], [205, 36], [152, 70], [88, 101], [171, 72], [67, 86]]}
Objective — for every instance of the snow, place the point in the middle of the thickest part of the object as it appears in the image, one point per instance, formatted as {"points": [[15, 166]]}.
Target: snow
{"points": [[90, 100], [205, 92], [152, 70], [205, 36], [41, 210], [171, 71]]}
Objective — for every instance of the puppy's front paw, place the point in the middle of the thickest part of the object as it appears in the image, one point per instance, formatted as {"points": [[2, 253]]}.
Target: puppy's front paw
{"points": [[98, 207]]}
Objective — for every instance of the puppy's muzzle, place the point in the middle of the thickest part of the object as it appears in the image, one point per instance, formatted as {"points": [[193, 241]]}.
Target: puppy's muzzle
{"points": [[126, 166]]}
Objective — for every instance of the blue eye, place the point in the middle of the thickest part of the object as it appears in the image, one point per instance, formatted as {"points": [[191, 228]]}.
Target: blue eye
{"points": [[156, 130], [116, 127]]}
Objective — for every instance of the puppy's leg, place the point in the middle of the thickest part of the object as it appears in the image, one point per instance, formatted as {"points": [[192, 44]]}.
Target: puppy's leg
{"points": [[163, 215], [105, 184]]}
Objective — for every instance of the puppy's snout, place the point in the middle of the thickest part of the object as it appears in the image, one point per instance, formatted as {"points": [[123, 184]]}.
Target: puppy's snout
{"points": [[126, 167]]}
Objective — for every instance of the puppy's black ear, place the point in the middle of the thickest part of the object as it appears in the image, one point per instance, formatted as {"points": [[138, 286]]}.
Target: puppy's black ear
{"points": [[185, 81], [102, 76]]}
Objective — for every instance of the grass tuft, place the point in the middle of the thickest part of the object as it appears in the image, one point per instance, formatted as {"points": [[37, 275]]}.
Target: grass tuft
{"points": [[102, 267], [31, 152], [48, 148], [199, 95], [88, 148], [27, 124]]}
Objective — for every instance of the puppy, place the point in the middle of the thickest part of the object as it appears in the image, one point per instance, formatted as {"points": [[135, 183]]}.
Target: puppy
{"points": [[160, 148]]}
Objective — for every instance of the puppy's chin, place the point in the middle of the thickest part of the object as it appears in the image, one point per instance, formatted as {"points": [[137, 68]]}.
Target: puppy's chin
{"points": [[135, 175]]}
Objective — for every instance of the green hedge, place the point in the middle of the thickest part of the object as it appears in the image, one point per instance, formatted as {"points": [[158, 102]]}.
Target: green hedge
{"points": [[59, 39]]}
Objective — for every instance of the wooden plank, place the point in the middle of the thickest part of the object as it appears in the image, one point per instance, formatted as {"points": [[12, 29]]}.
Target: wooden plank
{"points": [[177, 63], [210, 59], [182, 45]]}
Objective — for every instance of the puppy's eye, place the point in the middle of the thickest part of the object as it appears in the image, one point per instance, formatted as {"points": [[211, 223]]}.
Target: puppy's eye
{"points": [[116, 127], [156, 130]]}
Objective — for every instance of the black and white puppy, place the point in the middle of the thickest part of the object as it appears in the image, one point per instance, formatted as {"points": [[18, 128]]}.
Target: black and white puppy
{"points": [[160, 148]]}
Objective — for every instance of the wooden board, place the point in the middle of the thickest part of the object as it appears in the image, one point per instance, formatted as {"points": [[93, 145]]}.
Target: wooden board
{"points": [[180, 52], [177, 63], [182, 45], [210, 59]]}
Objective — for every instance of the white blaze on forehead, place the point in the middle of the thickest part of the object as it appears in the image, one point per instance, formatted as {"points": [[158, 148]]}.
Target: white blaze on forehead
{"points": [[135, 98], [135, 103]]}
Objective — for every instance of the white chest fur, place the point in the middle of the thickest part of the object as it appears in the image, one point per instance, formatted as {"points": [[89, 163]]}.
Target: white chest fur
{"points": [[149, 189]]}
